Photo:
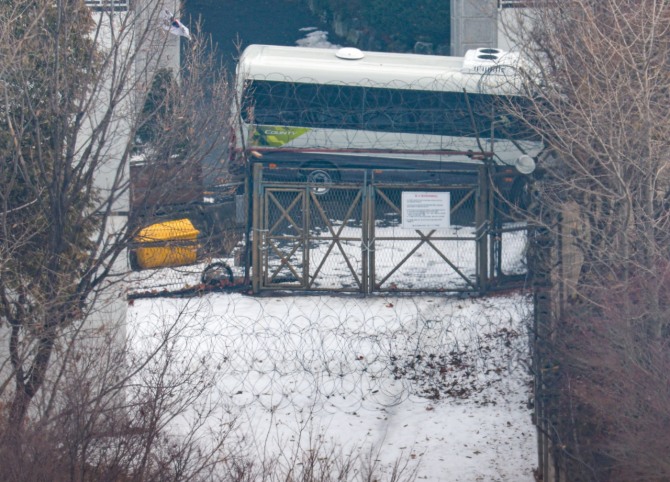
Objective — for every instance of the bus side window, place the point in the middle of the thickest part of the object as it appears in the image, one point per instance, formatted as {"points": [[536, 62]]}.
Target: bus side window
{"points": [[377, 121]]}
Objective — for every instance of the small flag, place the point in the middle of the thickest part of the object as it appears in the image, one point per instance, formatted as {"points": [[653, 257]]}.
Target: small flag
{"points": [[174, 26]]}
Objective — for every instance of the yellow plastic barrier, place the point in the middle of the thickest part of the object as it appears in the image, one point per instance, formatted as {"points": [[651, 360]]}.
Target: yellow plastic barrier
{"points": [[175, 244]]}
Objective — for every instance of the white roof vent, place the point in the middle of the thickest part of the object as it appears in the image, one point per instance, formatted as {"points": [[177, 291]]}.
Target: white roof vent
{"points": [[349, 53], [489, 61]]}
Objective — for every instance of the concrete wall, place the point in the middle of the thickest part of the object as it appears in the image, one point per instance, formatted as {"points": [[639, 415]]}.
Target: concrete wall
{"points": [[510, 19], [474, 24], [486, 23]]}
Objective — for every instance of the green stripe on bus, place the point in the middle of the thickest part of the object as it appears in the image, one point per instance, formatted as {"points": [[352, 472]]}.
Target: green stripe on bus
{"points": [[276, 136]]}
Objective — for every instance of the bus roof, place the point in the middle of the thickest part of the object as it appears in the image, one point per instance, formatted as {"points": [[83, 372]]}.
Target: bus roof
{"points": [[490, 71]]}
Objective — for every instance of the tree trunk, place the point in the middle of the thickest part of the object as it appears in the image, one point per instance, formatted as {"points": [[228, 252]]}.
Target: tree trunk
{"points": [[28, 383]]}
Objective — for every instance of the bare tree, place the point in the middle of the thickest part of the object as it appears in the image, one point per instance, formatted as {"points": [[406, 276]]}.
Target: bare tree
{"points": [[600, 103], [73, 86], [601, 88]]}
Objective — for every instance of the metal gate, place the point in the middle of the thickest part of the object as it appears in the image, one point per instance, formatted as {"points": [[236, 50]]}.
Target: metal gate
{"points": [[349, 235]]}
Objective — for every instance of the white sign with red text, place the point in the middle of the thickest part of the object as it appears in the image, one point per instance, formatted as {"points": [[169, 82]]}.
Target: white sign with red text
{"points": [[426, 210]]}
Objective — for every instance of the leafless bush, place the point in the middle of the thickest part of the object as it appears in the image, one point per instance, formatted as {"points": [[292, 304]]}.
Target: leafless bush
{"points": [[599, 86], [321, 461], [614, 381], [115, 407]]}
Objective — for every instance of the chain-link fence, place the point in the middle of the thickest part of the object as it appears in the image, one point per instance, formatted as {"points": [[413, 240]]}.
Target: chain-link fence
{"points": [[382, 230], [346, 230]]}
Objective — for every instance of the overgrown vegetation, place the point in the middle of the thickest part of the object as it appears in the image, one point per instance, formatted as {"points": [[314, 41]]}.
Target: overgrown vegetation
{"points": [[601, 91], [396, 20], [71, 82]]}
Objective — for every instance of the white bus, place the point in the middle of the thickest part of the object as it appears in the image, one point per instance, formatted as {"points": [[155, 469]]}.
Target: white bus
{"points": [[327, 108]]}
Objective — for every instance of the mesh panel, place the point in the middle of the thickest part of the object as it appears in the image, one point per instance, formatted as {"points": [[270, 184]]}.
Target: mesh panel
{"points": [[428, 259], [345, 231], [314, 232]]}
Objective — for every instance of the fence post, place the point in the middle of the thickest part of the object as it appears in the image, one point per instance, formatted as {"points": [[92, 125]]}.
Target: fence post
{"points": [[256, 242], [482, 228], [305, 236], [542, 262], [368, 225]]}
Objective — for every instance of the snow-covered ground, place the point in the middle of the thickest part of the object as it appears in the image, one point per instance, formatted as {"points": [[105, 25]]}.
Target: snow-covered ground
{"points": [[437, 381]]}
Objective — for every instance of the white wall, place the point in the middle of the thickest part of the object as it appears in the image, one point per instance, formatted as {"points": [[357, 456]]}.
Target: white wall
{"points": [[486, 23], [473, 25], [510, 19]]}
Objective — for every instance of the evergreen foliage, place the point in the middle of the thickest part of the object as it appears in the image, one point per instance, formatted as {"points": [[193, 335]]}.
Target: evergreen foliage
{"points": [[400, 20], [43, 211]]}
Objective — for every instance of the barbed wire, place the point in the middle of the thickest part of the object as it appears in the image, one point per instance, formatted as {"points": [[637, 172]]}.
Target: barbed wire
{"points": [[342, 354], [426, 114]]}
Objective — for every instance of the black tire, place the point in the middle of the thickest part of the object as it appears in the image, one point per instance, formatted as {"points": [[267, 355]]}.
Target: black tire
{"points": [[216, 273], [321, 175]]}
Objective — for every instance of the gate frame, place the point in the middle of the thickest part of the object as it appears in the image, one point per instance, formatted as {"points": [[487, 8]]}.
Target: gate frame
{"points": [[485, 223]]}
